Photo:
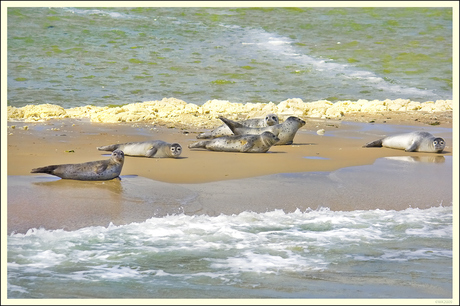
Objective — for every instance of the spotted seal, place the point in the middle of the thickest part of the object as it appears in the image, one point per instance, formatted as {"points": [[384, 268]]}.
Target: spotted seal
{"points": [[100, 170], [223, 130], [154, 148], [285, 131], [411, 142], [238, 143]]}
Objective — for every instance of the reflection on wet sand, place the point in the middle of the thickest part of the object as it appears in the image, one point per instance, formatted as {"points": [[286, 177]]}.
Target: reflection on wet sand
{"points": [[419, 159], [36, 202], [114, 185]]}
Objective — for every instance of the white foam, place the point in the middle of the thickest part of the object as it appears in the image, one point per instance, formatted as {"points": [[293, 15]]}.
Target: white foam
{"points": [[283, 46], [115, 15], [226, 246]]}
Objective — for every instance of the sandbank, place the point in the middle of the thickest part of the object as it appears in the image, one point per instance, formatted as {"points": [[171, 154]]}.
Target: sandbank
{"points": [[330, 171]]}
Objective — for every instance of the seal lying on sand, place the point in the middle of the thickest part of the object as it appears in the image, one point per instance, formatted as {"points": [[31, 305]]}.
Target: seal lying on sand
{"points": [[100, 170], [223, 130], [411, 142], [239, 143], [285, 131], [154, 148]]}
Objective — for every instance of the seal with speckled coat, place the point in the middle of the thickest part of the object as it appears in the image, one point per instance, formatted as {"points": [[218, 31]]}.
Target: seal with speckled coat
{"points": [[238, 143], [100, 170], [411, 142], [284, 131], [224, 130], [154, 148]]}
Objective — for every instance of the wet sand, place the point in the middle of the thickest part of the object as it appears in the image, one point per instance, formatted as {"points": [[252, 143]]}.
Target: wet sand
{"points": [[332, 170]]}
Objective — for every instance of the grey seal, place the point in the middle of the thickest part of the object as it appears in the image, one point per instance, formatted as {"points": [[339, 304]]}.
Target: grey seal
{"points": [[238, 143], [154, 148], [411, 142], [223, 130], [100, 170], [285, 131]]}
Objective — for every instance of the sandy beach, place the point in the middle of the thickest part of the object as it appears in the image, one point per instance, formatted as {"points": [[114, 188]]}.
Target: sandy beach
{"points": [[331, 170]]}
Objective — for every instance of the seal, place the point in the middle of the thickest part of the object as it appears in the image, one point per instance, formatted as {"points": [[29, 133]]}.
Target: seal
{"points": [[285, 131], [100, 170], [411, 142], [223, 130], [154, 148], [238, 143]]}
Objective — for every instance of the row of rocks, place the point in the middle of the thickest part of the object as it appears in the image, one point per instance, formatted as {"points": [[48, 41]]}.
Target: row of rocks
{"points": [[173, 110]]}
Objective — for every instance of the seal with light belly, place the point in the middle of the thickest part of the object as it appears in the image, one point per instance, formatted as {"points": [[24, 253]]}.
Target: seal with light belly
{"points": [[101, 170], [224, 130], [238, 143], [284, 131], [411, 142], [154, 148]]}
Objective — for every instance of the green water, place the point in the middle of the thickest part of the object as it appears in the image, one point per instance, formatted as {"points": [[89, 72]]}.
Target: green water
{"points": [[79, 56]]}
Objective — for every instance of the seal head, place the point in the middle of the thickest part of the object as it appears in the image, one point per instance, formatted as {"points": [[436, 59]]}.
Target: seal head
{"points": [[176, 150], [438, 144]]}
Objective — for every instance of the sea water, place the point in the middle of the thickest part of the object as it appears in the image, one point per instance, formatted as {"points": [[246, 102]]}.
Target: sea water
{"points": [[74, 56], [303, 254]]}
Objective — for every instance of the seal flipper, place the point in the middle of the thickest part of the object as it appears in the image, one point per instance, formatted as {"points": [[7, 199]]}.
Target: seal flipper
{"points": [[101, 168], [412, 147], [151, 152], [376, 143], [204, 135], [247, 146], [231, 124], [199, 144], [108, 148], [47, 169]]}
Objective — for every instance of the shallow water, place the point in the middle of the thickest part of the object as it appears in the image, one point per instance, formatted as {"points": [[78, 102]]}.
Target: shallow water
{"points": [[113, 56]]}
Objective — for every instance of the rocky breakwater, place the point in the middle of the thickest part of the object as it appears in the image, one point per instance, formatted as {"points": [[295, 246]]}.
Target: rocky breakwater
{"points": [[173, 112]]}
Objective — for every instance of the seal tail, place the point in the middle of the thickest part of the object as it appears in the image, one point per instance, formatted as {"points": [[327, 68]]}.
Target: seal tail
{"points": [[199, 144], [205, 135], [107, 148], [47, 169], [376, 143], [231, 124]]}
